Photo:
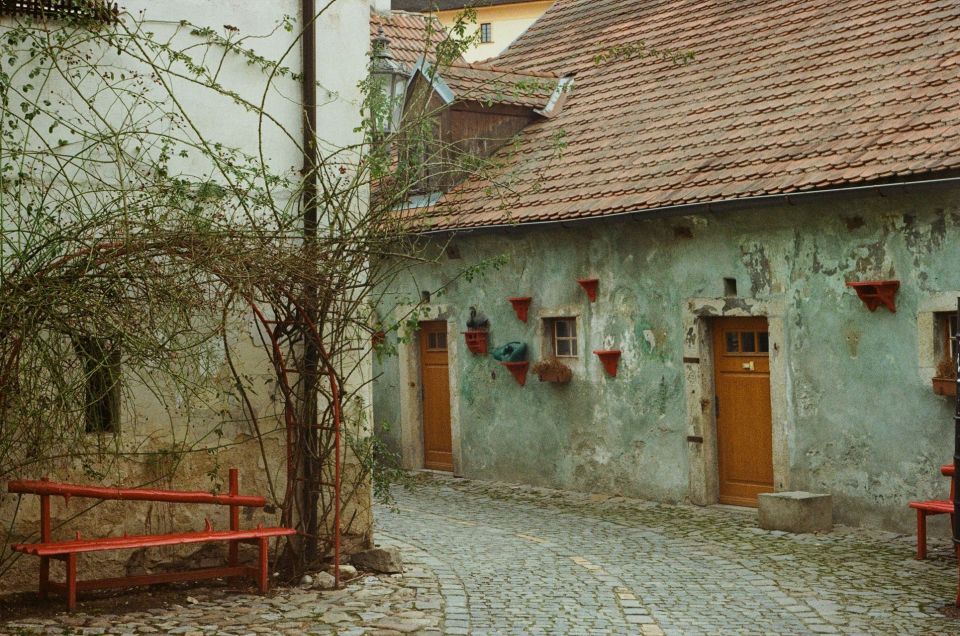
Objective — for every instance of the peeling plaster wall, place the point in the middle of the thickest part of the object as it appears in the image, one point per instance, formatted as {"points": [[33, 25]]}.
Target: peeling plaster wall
{"points": [[861, 423]]}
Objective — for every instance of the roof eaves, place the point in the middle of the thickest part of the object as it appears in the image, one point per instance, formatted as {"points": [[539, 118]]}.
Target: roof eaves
{"points": [[713, 205], [432, 76]]}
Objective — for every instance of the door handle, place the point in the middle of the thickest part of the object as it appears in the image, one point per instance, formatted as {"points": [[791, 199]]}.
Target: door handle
{"points": [[748, 365]]}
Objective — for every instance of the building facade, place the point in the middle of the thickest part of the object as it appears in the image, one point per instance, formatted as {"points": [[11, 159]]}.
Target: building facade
{"points": [[686, 252], [154, 428], [499, 22]]}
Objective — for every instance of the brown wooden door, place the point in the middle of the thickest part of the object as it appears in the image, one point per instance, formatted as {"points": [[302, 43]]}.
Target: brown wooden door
{"points": [[435, 380], [744, 433]]}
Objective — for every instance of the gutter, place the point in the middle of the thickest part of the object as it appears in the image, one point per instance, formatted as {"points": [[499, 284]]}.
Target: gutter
{"points": [[718, 205]]}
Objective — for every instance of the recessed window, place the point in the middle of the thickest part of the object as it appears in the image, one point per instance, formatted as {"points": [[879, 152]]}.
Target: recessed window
{"points": [[100, 365], [486, 33], [730, 287], [561, 336], [946, 326]]}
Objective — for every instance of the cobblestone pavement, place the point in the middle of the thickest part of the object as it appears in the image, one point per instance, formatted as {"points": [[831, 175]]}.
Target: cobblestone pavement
{"points": [[520, 560], [371, 605], [486, 558]]}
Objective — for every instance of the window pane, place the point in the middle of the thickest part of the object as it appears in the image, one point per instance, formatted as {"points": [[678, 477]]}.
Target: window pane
{"points": [[563, 348], [764, 342], [733, 344], [748, 342], [562, 328], [441, 341]]}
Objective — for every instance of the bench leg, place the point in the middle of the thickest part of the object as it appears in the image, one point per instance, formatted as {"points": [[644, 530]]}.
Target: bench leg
{"points": [[44, 577], [72, 582], [921, 535], [263, 581]]}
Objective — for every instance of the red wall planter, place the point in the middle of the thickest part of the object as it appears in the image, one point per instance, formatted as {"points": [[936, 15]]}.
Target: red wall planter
{"points": [[874, 293], [945, 386], [519, 371], [521, 304], [477, 341], [610, 359], [590, 286]]}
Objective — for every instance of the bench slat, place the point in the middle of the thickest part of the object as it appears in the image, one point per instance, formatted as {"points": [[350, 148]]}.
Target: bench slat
{"points": [[146, 541], [39, 487], [942, 506]]}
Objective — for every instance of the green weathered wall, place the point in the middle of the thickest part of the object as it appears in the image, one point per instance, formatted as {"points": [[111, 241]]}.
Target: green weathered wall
{"points": [[865, 425]]}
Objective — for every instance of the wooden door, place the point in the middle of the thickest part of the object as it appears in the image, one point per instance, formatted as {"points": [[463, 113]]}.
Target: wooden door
{"points": [[435, 380], [744, 433]]}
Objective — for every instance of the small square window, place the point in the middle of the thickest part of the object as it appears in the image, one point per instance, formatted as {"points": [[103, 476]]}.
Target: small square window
{"points": [[486, 33], [561, 337]]}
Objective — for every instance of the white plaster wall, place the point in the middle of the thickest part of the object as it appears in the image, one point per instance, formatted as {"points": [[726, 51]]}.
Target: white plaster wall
{"points": [[342, 46]]}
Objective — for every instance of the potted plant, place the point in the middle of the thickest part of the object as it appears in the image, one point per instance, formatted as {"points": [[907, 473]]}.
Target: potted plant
{"points": [[478, 332], [552, 370], [945, 380]]}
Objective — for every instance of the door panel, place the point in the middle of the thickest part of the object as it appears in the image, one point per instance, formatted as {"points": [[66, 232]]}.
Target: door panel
{"points": [[435, 380], [744, 431]]}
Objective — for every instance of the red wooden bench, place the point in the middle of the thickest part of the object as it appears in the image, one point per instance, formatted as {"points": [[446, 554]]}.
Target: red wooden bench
{"points": [[67, 551], [932, 507]]}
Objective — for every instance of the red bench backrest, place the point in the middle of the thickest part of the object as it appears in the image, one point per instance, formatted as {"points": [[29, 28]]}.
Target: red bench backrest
{"points": [[43, 487]]}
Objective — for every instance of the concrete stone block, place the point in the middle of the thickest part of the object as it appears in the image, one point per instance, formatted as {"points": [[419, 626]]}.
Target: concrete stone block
{"points": [[795, 511]]}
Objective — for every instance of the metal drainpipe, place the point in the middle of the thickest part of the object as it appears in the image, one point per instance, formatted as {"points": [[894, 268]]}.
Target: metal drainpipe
{"points": [[956, 449], [308, 434]]}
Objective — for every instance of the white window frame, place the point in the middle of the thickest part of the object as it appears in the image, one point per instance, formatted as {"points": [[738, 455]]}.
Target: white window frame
{"points": [[552, 338]]}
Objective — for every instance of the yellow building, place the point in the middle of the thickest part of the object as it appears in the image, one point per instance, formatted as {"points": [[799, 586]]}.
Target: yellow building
{"points": [[500, 22]]}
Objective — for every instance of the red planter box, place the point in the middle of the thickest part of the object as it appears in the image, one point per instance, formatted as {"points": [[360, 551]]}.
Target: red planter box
{"points": [[590, 286], [521, 305], [945, 386], [519, 371], [477, 341], [874, 293], [609, 358]]}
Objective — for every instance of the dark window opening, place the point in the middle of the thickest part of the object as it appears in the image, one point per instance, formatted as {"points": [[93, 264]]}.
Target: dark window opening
{"points": [[100, 364], [730, 287]]}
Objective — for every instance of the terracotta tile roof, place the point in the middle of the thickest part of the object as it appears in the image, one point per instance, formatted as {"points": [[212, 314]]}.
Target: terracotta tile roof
{"points": [[450, 5], [408, 34], [498, 85], [784, 96]]}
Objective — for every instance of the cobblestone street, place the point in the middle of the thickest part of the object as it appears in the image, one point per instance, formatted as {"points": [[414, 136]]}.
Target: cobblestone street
{"points": [[522, 560], [487, 558]]}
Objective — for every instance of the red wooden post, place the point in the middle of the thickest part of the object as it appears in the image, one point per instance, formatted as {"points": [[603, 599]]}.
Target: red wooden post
{"points": [[234, 554], [72, 581], [44, 538], [263, 581], [921, 535]]}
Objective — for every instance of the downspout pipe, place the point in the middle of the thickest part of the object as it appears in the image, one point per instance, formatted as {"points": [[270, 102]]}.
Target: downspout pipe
{"points": [[308, 434], [955, 518]]}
